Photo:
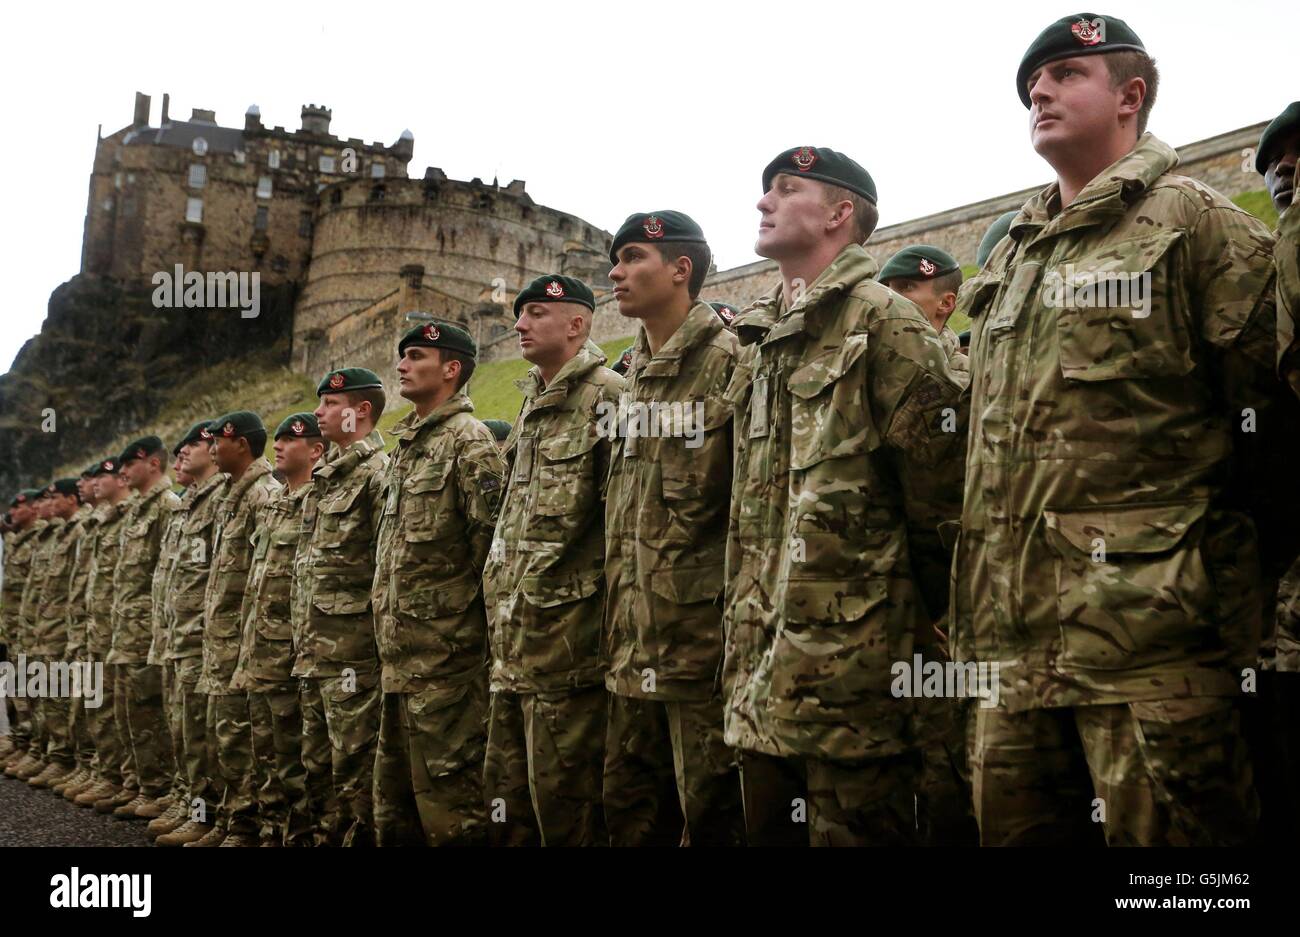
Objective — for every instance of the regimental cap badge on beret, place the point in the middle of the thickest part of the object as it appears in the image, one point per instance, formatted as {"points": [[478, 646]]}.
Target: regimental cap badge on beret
{"points": [[228, 429], [336, 381], [205, 433], [804, 158], [432, 333], [140, 453], [1089, 32], [555, 290], [108, 465], [653, 227], [927, 267], [298, 427], [626, 360]]}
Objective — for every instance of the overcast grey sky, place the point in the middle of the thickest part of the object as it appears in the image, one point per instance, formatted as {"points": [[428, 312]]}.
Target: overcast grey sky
{"points": [[602, 108]]}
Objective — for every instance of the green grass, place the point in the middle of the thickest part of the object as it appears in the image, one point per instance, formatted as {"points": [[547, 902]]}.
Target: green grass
{"points": [[1258, 204]]}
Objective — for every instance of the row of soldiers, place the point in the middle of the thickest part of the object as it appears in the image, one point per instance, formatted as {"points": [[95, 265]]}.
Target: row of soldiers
{"points": [[675, 605]]}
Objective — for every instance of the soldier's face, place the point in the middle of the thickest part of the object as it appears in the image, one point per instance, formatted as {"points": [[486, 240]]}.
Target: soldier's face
{"points": [[196, 457], [21, 514], [422, 374], [136, 472], [1280, 175], [793, 217], [178, 469], [332, 413], [227, 452], [63, 506], [1073, 106], [935, 305], [295, 454], [86, 488], [107, 486], [645, 281], [547, 330]]}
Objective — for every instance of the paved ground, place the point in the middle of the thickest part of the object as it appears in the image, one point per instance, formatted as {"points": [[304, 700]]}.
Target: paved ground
{"points": [[32, 817]]}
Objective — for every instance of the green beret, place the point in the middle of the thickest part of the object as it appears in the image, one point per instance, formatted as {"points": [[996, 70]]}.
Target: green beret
{"points": [[996, 232], [555, 288], [140, 449], [346, 379], [918, 262], [301, 425], [192, 435], [64, 486], [89, 470], [624, 361], [27, 494], [1279, 127], [500, 429], [819, 162], [656, 227], [446, 335], [1080, 34], [107, 466], [240, 423], [726, 312]]}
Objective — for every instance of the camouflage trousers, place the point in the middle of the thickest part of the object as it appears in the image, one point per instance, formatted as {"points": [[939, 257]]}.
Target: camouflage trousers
{"points": [[101, 724], [83, 748], [429, 767], [203, 784], [810, 801], [56, 719], [543, 770], [340, 731], [17, 709], [122, 724], [1162, 772], [279, 775], [175, 729], [231, 736], [669, 779], [944, 813], [142, 726]]}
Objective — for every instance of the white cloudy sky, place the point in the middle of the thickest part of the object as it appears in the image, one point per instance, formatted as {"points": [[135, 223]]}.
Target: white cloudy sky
{"points": [[604, 108]]}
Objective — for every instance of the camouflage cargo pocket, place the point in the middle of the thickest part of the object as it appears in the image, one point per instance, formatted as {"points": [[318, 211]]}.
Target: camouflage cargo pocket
{"points": [[337, 523], [1120, 313], [833, 650], [135, 544], [1132, 588]]}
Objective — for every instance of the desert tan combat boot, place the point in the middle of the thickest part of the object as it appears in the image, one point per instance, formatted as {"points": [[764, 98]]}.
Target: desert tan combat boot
{"points": [[96, 792], [176, 816], [109, 804], [127, 811], [213, 837], [51, 773], [75, 776], [186, 834]]}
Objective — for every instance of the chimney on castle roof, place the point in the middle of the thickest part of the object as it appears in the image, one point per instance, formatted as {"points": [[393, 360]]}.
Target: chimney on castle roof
{"points": [[141, 118], [316, 119], [252, 118], [203, 115], [163, 118]]}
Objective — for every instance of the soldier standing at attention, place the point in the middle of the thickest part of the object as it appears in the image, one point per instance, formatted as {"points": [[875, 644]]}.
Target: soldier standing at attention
{"points": [[142, 724], [1123, 349], [184, 651], [443, 487], [930, 278], [670, 779], [848, 456], [271, 605], [336, 656], [545, 582], [47, 530], [238, 441], [17, 565]]}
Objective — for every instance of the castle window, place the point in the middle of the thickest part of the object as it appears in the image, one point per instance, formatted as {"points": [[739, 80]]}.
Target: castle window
{"points": [[377, 170], [377, 192], [326, 163], [430, 191], [199, 146], [273, 159], [304, 224], [198, 175], [264, 187], [336, 197], [259, 220], [117, 180], [194, 210]]}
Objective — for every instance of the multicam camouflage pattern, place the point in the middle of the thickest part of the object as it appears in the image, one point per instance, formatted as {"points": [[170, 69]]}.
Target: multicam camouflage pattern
{"points": [[849, 437], [48, 589], [266, 652], [197, 515], [666, 519], [958, 362], [28, 566], [17, 565], [232, 555], [99, 582], [141, 536], [86, 522], [1106, 552], [168, 551], [340, 531], [545, 576], [441, 494]]}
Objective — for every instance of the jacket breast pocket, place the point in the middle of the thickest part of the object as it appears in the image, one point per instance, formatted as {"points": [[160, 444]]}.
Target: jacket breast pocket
{"points": [[421, 494], [565, 483], [135, 543], [337, 517], [1132, 586], [1120, 312], [694, 467]]}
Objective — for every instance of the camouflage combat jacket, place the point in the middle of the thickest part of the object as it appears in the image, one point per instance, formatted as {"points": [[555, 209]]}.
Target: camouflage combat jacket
{"points": [[958, 362], [849, 439], [168, 550], [266, 651], [86, 520], [544, 583], [99, 582], [18, 564], [666, 515], [442, 490], [48, 590], [1286, 260], [340, 530], [236, 518], [25, 607], [196, 514], [141, 535], [1106, 551]]}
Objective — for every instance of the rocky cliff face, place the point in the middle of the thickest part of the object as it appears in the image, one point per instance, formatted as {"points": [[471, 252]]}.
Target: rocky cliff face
{"points": [[104, 364]]}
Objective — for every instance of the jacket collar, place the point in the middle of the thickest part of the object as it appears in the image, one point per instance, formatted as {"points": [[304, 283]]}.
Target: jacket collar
{"points": [[342, 461], [699, 327], [410, 426], [769, 319], [538, 396]]}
